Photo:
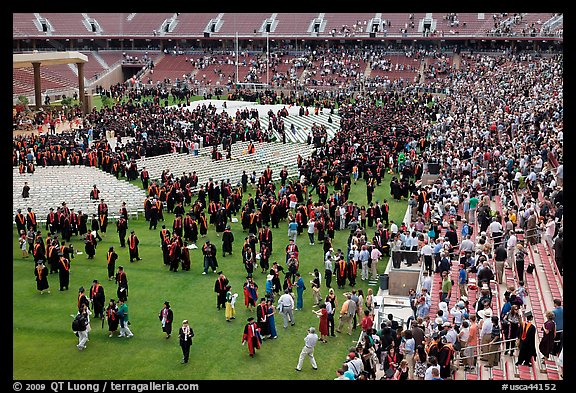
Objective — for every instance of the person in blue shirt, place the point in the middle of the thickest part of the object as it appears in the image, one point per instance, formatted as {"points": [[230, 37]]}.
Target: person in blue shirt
{"points": [[300, 287], [408, 352], [292, 230], [462, 280], [348, 373], [436, 252], [423, 308], [559, 319]]}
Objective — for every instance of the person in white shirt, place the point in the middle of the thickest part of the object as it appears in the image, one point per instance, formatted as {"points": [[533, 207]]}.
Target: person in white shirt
{"points": [[451, 334], [511, 248], [393, 227], [375, 255], [550, 229], [286, 307], [426, 254], [311, 228], [457, 313], [426, 281], [495, 229], [328, 267], [463, 336], [342, 210], [433, 365], [308, 349]]}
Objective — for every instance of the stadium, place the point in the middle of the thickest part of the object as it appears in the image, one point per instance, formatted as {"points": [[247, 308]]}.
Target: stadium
{"points": [[415, 160]]}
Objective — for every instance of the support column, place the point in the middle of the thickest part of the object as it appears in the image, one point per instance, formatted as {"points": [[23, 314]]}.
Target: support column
{"points": [[81, 85], [37, 85]]}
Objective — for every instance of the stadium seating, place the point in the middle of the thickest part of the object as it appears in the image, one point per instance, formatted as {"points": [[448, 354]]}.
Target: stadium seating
{"points": [[23, 25], [144, 23], [65, 23], [293, 23], [242, 23], [191, 24], [110, 23]]}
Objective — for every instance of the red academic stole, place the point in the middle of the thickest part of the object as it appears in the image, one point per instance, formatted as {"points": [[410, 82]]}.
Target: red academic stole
{"points": [[94, 290], [132, 242], [79, 298], [525, 330], [342, 267]]}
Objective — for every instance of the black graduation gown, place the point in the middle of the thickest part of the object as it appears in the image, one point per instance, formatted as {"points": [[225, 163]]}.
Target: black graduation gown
{"points": [[527, 347], [227, 240], [41, 278], [64, 273], [263, 320]]}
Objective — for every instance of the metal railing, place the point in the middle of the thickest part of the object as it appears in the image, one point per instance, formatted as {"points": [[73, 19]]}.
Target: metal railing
{"points": [[477, 348]]}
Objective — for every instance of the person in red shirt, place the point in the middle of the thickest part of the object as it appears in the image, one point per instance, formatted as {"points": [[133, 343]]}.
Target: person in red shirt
{"points": [[367, 322]]}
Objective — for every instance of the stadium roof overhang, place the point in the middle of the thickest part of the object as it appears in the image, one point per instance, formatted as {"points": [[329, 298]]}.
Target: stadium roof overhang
{"points": [[47, 58]]}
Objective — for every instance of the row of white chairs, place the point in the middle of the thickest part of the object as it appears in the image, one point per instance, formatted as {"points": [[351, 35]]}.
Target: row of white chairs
{"points": [[275, 155], [51, 186], [303, 125]]}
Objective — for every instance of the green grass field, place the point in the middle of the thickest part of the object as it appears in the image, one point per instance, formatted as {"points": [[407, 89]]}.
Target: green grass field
{"points": [[44, 346]]}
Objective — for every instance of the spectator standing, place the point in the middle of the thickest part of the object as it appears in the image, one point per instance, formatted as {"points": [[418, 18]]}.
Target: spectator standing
{"points": [[446, 287], [558, 251], [82, 328], [271, 320], [546, 345], [347, 313], [300, 287], [123, 319], [285, 307], [310, 342], [559, 320]]}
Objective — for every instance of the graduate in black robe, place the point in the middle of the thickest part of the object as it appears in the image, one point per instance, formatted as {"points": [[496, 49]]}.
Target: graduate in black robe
{"points": [[98, 299], [111, 258], [262, 318], [41, 274], [227, 240], [90, 245], [220, 289], [166, 316], [527, 342], [63, 271], [185, 257], [251, 336], [341, 273], [82, 223]]}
